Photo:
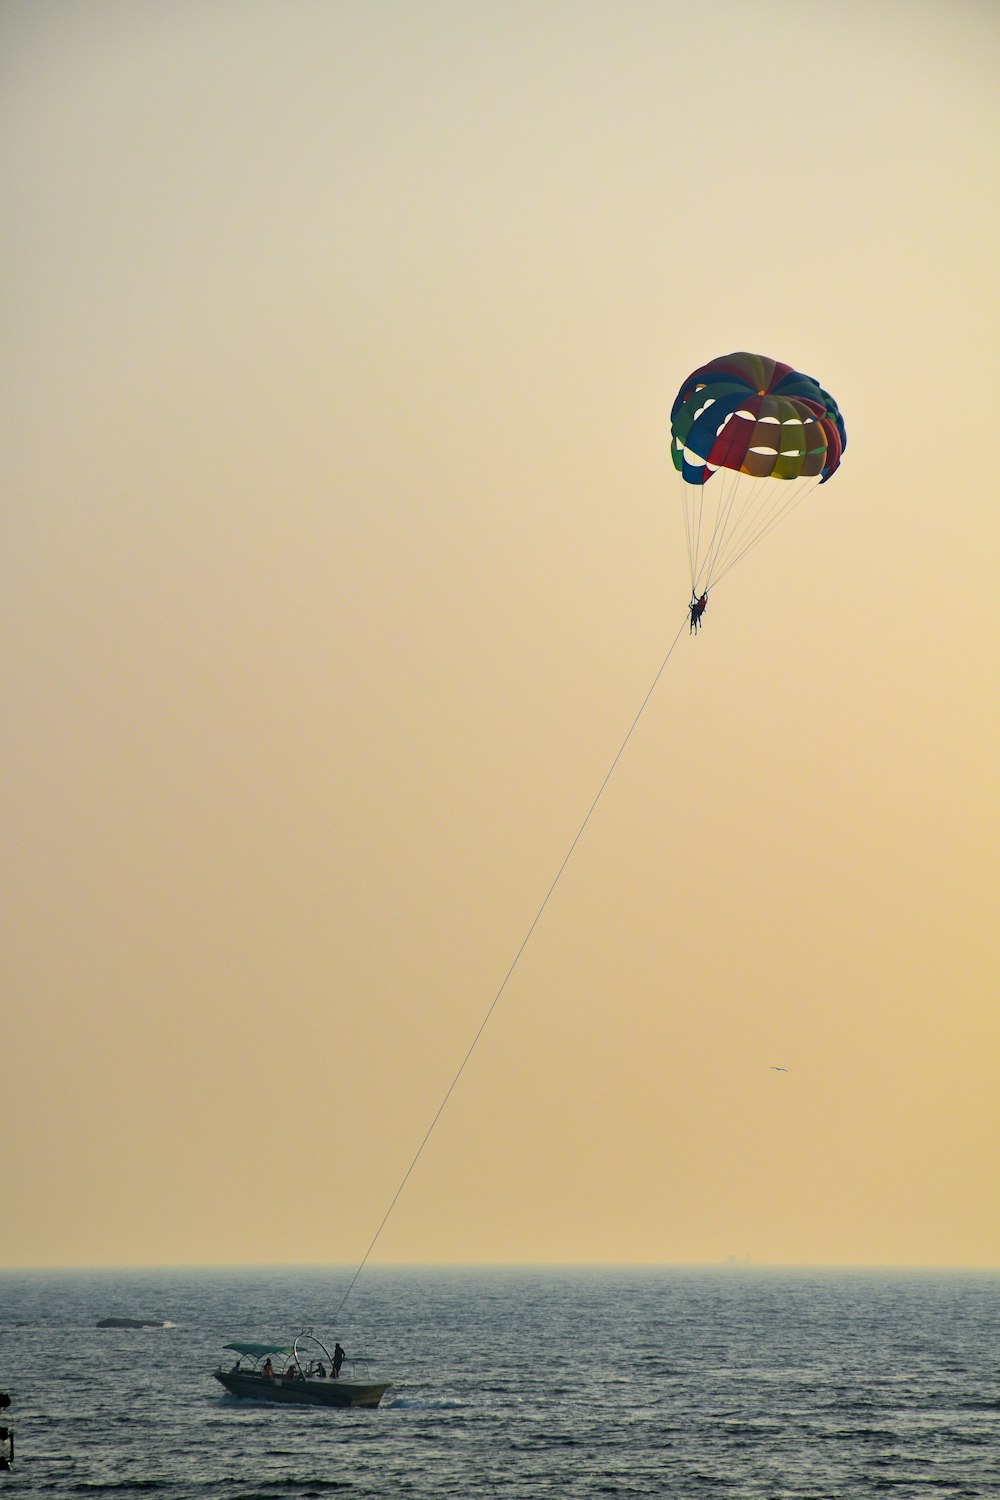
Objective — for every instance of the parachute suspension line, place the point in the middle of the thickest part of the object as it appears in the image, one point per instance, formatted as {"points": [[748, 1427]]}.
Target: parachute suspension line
{"points": [[767, 507], [496, 998], [727, 499], [753, 496], [725, 490], [779, 513], [697, 540], [748, 509], [688, 530], [692, 526], [693, 506]]}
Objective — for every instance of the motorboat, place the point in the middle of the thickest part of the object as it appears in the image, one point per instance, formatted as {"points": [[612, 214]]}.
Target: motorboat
{"points": [[302, 1372]]}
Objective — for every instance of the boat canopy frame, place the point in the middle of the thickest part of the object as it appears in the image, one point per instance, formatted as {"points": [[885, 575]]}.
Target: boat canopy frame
{"points": [[257, 1352]]}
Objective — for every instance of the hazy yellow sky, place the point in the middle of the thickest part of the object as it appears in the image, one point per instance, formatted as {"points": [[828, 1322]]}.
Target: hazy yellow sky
{"points": [[340, 546]]}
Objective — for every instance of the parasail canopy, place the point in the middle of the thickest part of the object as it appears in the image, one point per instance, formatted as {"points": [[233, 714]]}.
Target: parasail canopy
{"points": [[761, 427]]}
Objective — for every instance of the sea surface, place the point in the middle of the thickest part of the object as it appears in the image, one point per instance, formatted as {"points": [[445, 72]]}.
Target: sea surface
{"points": [[737, 1382]]}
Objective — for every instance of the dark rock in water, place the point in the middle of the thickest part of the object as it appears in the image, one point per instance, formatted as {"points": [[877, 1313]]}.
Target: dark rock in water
{"points": [[129, 1323]]}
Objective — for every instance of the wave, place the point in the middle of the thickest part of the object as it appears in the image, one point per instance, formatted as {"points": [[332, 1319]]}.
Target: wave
{"points": [[117, 1486]]}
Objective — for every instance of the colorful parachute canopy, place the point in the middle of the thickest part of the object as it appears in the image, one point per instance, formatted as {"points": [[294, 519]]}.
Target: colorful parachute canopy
{"points": [[769, 433], [757, 416]]}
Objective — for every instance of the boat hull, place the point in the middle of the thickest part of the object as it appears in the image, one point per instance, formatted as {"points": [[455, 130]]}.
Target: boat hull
{"points": [[255, 1387]]}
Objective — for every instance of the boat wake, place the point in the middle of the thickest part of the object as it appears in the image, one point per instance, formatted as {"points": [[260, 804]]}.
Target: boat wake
{"points": [[428, 1403]]}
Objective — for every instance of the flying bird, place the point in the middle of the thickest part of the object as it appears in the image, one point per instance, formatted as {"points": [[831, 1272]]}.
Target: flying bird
{"points": [[778, 1070]]}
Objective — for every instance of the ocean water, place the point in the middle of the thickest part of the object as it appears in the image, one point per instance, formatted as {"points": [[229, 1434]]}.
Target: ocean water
{"points": [[736, 1382]]}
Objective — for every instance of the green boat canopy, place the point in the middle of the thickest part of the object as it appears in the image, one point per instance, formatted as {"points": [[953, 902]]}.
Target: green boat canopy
{"points": [[257, 1351]]}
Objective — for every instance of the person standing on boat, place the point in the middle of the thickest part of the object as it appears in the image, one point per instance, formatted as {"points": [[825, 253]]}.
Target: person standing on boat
{"points": [[338, 1360], [268, 1369]]}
